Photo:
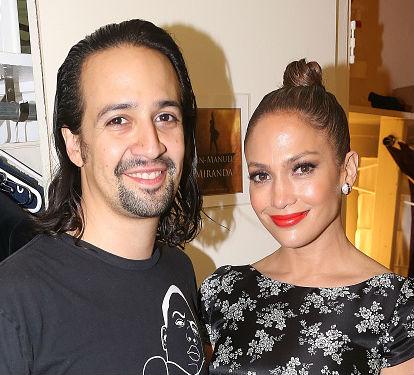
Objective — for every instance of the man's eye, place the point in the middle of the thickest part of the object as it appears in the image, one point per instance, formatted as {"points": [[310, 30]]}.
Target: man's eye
{"points": [[166, 117], [180, 323], [304, 168], [259, 177], [116, 121]]}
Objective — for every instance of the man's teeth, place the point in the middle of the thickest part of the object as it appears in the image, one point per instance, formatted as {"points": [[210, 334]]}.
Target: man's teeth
{"points": [[145, 175]]}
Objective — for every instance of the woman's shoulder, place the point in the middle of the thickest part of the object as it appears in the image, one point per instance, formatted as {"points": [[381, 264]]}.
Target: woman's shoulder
{"points": [[406, 290], [223, 280], [400, 343], [226, 274]]}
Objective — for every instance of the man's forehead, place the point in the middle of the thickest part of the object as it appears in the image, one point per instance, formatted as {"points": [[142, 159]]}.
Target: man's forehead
{"points": [[142, 50], [120, 73], [113, 54]]}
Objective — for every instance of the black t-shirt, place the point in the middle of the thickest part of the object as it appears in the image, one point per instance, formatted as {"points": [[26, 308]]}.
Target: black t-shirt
{"points": [[78, 310]]}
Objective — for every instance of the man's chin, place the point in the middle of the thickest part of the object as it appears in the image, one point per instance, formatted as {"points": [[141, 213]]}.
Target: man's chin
{"points": [[145, 207], [144, 214]]}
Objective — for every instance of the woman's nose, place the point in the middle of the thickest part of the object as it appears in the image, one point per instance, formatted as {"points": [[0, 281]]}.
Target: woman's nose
{"points": [[283, 194]]}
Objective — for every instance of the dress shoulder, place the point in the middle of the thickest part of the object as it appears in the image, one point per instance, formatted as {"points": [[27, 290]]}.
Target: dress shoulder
{"points": [[222, 280], [399, 347]]}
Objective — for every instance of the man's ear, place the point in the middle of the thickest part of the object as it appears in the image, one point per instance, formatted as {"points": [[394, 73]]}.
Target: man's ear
{"points": [[73, 147], [350, 168]]}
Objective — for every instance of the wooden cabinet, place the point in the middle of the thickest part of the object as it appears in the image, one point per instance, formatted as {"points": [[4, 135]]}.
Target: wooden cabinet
{"points": [[375, 210]]}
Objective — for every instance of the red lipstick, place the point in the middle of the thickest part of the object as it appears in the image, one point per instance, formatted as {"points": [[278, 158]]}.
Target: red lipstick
{"points": [[288, 220]]}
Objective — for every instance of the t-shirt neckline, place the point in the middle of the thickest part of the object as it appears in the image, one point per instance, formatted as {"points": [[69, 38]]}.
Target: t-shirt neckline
{"points": [[112, 259]]}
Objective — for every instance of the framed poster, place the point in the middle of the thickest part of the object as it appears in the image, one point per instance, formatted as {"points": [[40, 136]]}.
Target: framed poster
{"points": [[221, 172]]}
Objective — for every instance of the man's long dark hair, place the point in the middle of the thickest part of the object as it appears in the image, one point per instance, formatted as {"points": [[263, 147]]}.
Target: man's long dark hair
{"points": [[181, 223]]}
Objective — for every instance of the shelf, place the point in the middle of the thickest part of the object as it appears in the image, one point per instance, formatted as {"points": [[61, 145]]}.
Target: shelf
{"points": [[19, 59], [21, 66], [380, 112], [27, 153], [18, 145]]}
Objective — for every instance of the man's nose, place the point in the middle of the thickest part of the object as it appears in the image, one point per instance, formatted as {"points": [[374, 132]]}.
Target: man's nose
{"points": [[146, 141]]}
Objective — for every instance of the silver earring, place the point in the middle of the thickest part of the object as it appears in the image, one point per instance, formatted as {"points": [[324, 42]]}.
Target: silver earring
{"points": [[346, 188]]}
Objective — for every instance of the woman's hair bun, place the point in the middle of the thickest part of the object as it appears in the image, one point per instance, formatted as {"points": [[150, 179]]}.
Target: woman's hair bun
{"points": [[299, 73]]}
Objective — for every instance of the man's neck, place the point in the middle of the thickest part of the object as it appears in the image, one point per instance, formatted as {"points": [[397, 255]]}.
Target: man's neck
{"points": [[127, 237]]}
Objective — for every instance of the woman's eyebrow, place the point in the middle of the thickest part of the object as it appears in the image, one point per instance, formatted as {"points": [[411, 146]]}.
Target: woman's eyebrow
{"points": [[294, 158], [257, 165], [288, 161]]}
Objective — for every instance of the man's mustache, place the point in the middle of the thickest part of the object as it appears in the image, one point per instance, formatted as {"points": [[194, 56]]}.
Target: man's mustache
{"points": [[125, 165]]}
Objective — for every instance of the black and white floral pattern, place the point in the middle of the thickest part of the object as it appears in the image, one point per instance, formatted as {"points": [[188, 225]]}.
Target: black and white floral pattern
{"points": [[262, 326]]}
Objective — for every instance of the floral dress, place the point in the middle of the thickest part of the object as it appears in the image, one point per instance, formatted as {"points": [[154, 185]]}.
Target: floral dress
{"points": [[261, 326]]}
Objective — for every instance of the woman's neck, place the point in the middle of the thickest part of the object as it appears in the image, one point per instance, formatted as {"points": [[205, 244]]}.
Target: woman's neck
{"points": [[329, 260]]}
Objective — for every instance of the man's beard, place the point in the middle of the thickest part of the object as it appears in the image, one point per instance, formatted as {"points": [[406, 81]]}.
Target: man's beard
{"points": [[146, 202]]}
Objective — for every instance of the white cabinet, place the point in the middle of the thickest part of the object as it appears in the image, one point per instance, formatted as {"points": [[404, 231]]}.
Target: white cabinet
{"points": [[21, 82]]}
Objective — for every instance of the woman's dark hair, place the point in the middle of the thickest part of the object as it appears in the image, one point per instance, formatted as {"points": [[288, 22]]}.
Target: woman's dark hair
{"points": [[182, 221], [303, 94]]}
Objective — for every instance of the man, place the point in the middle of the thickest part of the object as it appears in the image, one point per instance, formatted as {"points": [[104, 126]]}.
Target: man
{"points": [[179, 325], [85, 296]]}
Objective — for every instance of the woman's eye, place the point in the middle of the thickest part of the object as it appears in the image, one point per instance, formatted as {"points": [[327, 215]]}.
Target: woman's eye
{"points": [[259, 177], [304, 168], [116, 121], [166, 117]]}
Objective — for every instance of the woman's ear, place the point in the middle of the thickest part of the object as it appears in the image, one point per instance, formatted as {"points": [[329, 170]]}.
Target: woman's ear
{"points": [[350, 168], [73, 147]]}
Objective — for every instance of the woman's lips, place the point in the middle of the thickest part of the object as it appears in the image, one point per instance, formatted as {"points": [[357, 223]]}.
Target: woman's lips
{"points": [[288, 220]]}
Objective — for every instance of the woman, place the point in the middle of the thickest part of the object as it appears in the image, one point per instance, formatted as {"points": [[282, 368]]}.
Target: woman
{"points": [[317, 305]]}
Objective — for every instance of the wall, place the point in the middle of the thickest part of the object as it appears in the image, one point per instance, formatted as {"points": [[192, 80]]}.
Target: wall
{"points": [[384, 48], [231, 47], [397, 18]]}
